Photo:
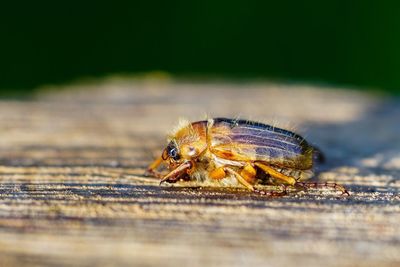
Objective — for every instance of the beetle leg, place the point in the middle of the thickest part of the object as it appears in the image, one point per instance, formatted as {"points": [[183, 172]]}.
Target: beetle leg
{"points": [[244, 182], [245, 178], [218, 173], [271, 193], [248, 173], [240, 178], [335, 186], [181, 169], [153, 166], [287, 179]]}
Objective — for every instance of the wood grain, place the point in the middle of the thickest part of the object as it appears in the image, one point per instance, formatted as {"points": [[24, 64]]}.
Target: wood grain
{"points": [[72, 190]]}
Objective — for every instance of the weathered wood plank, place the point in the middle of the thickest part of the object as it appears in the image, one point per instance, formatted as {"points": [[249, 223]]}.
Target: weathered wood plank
{"points": [[72, 190]]}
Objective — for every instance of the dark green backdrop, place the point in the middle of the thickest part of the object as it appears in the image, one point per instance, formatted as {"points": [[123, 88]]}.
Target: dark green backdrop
{"points": [[340, 42]]}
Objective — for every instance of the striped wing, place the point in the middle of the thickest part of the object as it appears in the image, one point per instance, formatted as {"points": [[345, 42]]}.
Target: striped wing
{"points": [[242, 140]]}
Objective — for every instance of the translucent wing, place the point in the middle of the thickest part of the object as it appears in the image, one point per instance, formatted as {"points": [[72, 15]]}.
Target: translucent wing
{"points": [[245, 140]]}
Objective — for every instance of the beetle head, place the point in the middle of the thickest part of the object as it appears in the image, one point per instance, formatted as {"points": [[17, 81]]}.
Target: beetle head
{"points": [[177, 153], [186, 144]]}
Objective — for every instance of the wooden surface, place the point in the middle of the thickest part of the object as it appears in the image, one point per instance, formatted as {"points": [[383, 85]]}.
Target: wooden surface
{"points": [[72, 191]]}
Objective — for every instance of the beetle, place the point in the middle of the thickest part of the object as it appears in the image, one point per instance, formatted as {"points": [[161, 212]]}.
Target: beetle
{"points": [[239, 153]]}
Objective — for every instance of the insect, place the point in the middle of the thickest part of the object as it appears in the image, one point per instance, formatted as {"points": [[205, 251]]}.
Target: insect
{"points": [[239, 153]]}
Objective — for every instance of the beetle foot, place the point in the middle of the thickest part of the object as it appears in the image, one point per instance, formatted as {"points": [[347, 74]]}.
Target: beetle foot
{"points": [[271, 193]]}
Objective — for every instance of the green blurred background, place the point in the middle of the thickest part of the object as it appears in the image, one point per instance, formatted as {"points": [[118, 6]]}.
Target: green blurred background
{"points": [[354, 43]]}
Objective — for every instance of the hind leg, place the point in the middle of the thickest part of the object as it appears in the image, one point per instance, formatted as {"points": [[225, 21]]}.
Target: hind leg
{"points": [[299, 185], [335, 186]]}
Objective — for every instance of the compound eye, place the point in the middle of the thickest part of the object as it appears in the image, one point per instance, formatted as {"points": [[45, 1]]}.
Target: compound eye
{"points": [[173, 152]]}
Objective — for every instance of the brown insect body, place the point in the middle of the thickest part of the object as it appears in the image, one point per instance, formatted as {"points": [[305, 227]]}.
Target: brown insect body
{"points": [[228, 152]]}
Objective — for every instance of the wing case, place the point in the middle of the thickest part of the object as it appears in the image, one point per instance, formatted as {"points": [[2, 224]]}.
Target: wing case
{"points": [[243, 140]]}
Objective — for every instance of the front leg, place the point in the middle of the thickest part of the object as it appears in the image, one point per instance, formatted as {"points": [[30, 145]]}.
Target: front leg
{"points": [[151, 170], [174, 175]]}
